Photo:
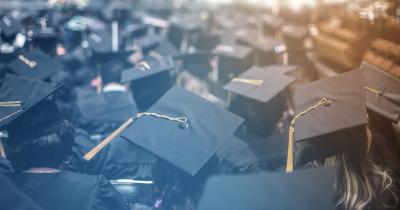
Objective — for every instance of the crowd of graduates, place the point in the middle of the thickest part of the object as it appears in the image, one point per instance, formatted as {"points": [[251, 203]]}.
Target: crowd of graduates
{"points": [[120, 105]]}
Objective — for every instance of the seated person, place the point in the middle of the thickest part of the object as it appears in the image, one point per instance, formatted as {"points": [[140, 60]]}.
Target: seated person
{"points": [[39, 141]]}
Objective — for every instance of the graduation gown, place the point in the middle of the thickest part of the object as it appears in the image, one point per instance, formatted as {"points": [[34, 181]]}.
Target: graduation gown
{"points": [[103, 113], [235, 157], [5, 165], [118, 160], [67, 190], [12, 198]]}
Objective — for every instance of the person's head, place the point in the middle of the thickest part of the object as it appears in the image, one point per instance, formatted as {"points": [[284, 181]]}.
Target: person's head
{"points": [[111, 71], [362, 182], [177, 189], [40, 137]]}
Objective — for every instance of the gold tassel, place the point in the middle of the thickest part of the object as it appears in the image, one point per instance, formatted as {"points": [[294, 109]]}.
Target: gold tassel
{"points": [[373, 90], [93, 152], [256, 82], [395, 98], [88, 156], [31, 64], [144, 66], [10, 104], [290, 152]]}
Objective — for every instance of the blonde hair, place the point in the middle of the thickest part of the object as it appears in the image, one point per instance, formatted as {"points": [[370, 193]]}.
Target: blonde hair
{"points": [[361, 182]]}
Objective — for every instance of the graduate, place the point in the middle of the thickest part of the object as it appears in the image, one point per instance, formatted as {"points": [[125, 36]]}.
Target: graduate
{"points": [[331, 128], [39, 141]]}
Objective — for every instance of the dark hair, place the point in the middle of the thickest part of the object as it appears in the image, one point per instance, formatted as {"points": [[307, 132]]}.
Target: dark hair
{"points": [[40, 137], [111, 71], [179, 190], [46, 150]]}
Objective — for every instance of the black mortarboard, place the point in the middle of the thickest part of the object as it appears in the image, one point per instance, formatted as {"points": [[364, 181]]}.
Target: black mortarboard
{"points": [[260, 98], [148, 42], [135, 30], [235, 156], [107, 107], [150, 79], [333, 119], [181, 28], [9, 26], [294, 36], [105, 57], [74, 31], [283, 69], [46, 39], [271, 24], [100, 41], [266, 49], [187, 131], [233, 60], [35, 64], [18, 94], [310, 189], [382, 92]]}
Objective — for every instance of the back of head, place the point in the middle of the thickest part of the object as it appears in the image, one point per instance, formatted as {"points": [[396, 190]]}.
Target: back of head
{"points": [[40, 137], [111, 71]]}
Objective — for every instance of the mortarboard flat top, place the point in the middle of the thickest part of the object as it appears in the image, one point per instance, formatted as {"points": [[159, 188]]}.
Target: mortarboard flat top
{"points": [[106, 107], [295, 31], [45, 33], [232, 50], [382, 92], [9, 26], [100, 42], [208, 128], [24, 90], [265, 44], [310, 189], [35, 64], [283, 69], [104, 57], [347, 109], [149, 41], [155, 66], [272, 21], [273, 83], [336, 124]]}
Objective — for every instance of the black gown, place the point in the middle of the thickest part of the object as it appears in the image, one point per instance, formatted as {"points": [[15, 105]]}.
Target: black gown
{"points": [[102, 113], [13, 199], [118, 160], [67, 190], [5, 165]]}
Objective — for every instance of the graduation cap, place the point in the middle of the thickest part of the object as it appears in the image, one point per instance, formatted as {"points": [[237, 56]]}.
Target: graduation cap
{"points": [[9, 26], [310, 189], [330, 118], [105, 57], [259, 96], [382, 92], [35, 64], [150, 79], [134, 30], [18, 94], [100, 41], [107, 107], [74, 31], [148, 42], [294, 35], [185, 137], [266, 48], [233, 60], [46, 39], [271, 24]]}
